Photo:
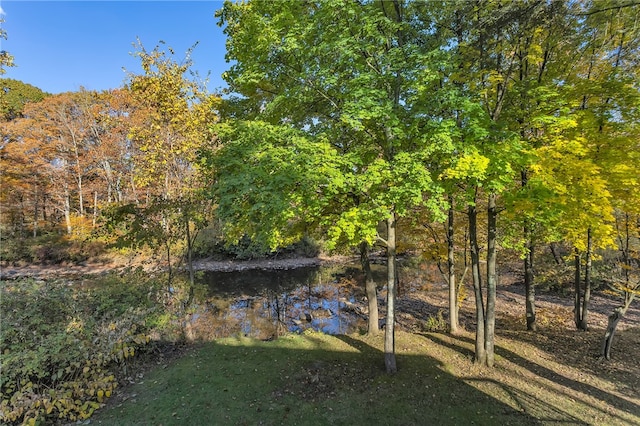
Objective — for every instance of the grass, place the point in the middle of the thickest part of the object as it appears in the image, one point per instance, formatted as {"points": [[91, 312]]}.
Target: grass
{"points": [[317, 379]]}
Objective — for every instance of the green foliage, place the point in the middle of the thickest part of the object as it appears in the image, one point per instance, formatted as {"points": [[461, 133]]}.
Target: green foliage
{"points": [[273, 183], [436, 323], [306, 247], [359, 87], [62, 347], [6, 59], [15, 95]]}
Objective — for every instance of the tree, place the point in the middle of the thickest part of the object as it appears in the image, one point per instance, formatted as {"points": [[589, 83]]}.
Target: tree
{"points": [[355, 74], [53, 133], [6, 59], [606, 99], [171, 124], [109, 118], [483, 40], [16, 95], [609, 108], [544, 55], [627, 282]]}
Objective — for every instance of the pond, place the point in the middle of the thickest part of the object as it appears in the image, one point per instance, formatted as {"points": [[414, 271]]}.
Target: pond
{"points": [[266, 303]]}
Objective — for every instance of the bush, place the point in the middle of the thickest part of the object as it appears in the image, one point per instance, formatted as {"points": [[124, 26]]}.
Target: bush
{"points": [[306, 247], [211, 242], [14, 250], [436, 323], [64, 346], [49, 249]]}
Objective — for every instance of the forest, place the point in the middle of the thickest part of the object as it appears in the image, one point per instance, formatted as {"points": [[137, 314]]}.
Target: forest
{"points": [[467, 134]]}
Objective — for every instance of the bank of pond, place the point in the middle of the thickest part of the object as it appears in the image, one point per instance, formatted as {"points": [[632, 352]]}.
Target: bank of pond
{"points": [[67, 343]]}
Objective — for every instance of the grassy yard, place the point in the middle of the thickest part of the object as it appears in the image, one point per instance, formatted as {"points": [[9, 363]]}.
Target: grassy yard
{"points": [[317, 379]]}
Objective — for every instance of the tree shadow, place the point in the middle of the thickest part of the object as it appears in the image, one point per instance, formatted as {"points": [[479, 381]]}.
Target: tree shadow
{"points": [[582, 350], [309, 379], [461, 344]]}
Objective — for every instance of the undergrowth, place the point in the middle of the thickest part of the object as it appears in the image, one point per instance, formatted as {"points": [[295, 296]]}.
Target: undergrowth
{"points": [[64, 346]]}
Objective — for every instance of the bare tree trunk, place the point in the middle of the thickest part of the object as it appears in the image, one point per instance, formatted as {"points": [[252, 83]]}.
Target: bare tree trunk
{"points": [[615, 317], [189, 259], [530, 290], [480, 355], [490, 315], [577, 278], [389, 333], [370, 290], [67, 210], [22, 218], [556, 256], [167, 247], [35, 211], [133, 189], [44, 208], [587, 284], [95, 209], [453, 290], [80, 196]]}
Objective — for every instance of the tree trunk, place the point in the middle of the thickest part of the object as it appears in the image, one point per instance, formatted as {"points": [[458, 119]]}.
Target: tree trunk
{"points": [[577, 278], [389, 333], [167, 247], [44, 208], [615, 317], [95, 209], [530, 292], [189, 258], [529, 287], [480, 355], [370, 290], [67, 210], [490, 315], [80, 197], [556, 256], [22, 218], [587, 284], [453, 290], [35, 212]]}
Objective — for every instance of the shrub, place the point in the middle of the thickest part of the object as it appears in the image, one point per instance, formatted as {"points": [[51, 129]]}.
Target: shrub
{"points": [[436, 323], [306, 247], [63, 346]]}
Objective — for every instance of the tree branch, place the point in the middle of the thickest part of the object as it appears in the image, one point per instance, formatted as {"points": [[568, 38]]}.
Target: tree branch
{"points": [[620, 6]]}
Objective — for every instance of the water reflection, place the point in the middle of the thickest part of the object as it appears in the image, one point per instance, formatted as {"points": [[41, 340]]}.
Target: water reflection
{"points": [[267, 303]]}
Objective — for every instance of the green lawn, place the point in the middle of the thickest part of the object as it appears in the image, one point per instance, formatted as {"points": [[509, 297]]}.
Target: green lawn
{"points": [[316, 379]]}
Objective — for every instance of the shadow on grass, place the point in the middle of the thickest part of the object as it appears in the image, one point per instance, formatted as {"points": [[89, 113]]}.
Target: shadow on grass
{"points": [[582, 350], [462, 345], [310, 379]]}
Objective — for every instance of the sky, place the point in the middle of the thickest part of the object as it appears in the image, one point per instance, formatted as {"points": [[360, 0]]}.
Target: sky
{"points": [[59, 46]]}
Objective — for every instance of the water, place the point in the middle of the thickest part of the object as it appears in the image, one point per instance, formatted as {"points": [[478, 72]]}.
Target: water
{"points": [[267, 303]]}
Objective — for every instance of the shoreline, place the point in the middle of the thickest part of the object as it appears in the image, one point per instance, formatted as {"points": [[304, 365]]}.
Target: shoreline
{"points": [[9, 272]]}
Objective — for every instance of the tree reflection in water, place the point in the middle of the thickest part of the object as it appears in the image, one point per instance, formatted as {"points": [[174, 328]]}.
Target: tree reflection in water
{"points": [[267, 303]]}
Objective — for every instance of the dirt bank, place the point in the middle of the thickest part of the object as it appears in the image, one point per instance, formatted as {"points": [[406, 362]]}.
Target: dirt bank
{"points": [[8, 272]]}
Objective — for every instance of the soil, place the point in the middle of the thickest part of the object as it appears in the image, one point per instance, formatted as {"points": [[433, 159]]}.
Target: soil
{"points": [[556, 338], [554, 310], [9, 271]]}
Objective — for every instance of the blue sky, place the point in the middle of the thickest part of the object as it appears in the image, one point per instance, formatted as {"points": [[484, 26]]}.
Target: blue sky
{"points": [[59, 46]]}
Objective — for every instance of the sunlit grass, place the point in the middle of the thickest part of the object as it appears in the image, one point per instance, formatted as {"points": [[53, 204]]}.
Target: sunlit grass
{"points": [[309, 379]]}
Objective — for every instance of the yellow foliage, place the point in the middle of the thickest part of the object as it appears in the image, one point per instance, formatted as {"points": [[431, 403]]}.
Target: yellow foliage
{"points": [[81, 227], [468, 166]]}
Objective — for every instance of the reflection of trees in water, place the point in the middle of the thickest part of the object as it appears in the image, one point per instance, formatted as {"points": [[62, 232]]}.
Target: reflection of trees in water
{"points": [[277, 308], [268, 304]]}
